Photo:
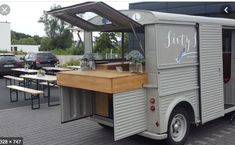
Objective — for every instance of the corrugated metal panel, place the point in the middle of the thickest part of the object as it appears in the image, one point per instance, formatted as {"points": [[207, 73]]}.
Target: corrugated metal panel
{"points": [[75, 103], [176, 80], [129, 113], [211, 72]]}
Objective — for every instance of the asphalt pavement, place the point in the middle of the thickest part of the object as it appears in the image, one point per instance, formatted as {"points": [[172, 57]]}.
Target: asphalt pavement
{"points": [[5, 97], [43, 126]]}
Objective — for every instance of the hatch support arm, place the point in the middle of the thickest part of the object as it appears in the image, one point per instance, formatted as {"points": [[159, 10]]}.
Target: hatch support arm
{"points": [[137, 38]]}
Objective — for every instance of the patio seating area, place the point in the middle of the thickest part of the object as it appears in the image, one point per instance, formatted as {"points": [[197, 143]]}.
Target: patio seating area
{"points": [[5, 97]]}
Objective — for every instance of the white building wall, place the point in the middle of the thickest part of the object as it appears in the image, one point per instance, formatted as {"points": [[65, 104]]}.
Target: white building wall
{"points": [[5, 36], [25, 48]]}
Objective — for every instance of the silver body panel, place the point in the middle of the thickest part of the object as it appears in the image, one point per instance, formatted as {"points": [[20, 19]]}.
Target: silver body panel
{"points": [[129, 113], [211, 72]]}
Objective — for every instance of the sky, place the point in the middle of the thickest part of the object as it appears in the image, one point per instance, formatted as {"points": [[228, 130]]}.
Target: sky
{"points": [[24, 14]]}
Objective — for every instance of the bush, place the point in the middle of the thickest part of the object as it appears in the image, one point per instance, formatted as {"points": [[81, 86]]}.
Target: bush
{"points": [[71, 63], [68, 51]]}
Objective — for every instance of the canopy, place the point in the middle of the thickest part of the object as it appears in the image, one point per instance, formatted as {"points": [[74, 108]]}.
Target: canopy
{"points": [[112, 20]]}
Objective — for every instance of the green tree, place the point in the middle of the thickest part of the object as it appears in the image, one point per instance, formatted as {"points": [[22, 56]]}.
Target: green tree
{"points": [[52, 26], [27, 41], [45, 44], [106, 40], [58, 36], [24, 39], [37, 39]]}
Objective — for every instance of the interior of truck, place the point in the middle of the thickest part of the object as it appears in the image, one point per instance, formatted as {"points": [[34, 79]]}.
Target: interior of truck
{"points": [[228, 46]]}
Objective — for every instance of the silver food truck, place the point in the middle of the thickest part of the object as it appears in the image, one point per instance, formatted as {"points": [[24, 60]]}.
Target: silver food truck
{"points": [[189, 73]]}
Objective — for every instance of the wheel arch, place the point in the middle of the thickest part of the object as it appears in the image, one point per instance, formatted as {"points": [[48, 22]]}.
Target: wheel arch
{"points": [[181, 102]]}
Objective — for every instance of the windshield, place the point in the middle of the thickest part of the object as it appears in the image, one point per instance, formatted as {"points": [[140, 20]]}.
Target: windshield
{"points": [[7, 58], [45, 56]]}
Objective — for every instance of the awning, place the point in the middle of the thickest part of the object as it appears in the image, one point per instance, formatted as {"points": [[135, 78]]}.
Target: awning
{"points": [[112, 20]]}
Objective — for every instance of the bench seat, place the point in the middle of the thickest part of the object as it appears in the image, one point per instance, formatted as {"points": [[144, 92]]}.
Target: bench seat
{"points": [[23, 89], [14, 78], [35, 94]]}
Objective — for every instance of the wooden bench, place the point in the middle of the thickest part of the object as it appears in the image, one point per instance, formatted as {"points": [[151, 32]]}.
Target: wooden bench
{"points": [[35, 94], [51, 84], [8, 77]]}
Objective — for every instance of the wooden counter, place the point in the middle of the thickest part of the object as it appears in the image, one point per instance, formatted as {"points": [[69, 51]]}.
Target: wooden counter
{"points": [[107, 81]]}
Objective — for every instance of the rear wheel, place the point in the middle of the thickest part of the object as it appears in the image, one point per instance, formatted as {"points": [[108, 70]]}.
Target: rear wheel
{"points": [[178, 127]]}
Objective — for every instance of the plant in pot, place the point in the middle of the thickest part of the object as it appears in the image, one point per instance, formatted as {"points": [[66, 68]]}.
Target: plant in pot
{"points": [[41, 73], [136, 60], [26, 66]]}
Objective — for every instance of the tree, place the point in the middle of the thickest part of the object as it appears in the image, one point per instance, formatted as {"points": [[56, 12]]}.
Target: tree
{"points": [[24, 39], [106, 40], [27, 41], [56, 30], [45, 44], [52, 26]]}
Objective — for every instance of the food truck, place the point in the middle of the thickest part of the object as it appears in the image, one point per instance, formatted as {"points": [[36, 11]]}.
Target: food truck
{"points": [[189, 75]]}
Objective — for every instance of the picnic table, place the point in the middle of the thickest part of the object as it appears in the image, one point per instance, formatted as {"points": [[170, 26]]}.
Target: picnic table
{"points": [[25, 70], [47, 78], [54, 70], [74, 67]]}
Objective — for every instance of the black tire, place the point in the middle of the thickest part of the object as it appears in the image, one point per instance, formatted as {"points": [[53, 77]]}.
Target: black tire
{"points": [[179, 112]]}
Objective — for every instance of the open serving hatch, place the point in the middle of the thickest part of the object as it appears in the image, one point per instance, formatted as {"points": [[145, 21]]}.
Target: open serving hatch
{"points": [[108, 18], [127, 109]]}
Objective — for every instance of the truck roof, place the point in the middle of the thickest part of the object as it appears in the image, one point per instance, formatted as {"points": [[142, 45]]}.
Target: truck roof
{"points": [[108, 19]]}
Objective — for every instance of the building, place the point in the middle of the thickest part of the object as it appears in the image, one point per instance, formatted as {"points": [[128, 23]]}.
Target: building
{"points": [[5, 36], [25, 48], [218, 9]]}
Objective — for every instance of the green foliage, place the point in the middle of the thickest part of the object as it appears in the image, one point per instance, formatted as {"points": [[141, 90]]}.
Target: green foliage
{"points": [[69, 51], [24, 39], [109, 40], [19, 53], [135, 57], [72, 62], [3, 51], [53, 26], [58, 36], [27, 41], [45, 44], [105, 40]]}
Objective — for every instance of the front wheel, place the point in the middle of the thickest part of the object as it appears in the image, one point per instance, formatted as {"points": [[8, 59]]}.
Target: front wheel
{"points": [[178, 127]]}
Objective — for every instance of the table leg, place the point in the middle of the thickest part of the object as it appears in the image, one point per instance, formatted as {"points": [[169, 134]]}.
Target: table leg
{"points": [[49, 95]]}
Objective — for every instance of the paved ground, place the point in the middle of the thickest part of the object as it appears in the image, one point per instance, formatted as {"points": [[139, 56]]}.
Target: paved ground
{"points": [[5, 97], [43, 127]]}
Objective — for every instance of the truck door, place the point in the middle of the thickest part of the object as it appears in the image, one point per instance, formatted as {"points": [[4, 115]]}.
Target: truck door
{"points": [[211, 72], [76, 104], [129, 113]]}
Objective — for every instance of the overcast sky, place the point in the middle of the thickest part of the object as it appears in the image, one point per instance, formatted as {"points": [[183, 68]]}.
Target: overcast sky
{"points": [[24, 14]]}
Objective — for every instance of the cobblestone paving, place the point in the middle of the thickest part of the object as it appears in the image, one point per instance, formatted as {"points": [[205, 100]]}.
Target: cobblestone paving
{"points": [[43, 127]]}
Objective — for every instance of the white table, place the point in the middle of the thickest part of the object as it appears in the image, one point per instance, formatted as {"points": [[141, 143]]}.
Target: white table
{"points": [[25, 70], [48, 78], [56, 69], [74, 67]]}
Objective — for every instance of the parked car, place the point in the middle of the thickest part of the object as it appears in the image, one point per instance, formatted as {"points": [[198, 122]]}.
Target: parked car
{"points": [[7, 62], [40, 59]]}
